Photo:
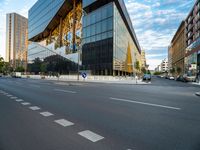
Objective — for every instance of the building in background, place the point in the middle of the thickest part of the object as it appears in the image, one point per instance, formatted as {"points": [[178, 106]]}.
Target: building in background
{"points": [[177, 49], [16, 40], [164, 65], [143, 60], [192, 55], [169, 58], [95, 36], [158, 68]]}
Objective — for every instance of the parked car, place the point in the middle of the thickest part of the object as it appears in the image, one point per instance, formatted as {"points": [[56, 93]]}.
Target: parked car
{"points": [[171, 78], [146, 77], [166, 77], [190, 78], [181, 78]]}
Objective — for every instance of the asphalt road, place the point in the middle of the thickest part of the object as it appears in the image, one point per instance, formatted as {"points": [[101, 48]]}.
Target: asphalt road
{"points": [[50, 115]]}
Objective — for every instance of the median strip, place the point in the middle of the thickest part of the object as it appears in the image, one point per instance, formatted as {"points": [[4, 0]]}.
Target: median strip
{"points": [[144, 103]]}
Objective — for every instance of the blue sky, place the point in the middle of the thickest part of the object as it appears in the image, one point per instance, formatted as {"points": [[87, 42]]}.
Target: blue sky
{"points": [[154, 21]]}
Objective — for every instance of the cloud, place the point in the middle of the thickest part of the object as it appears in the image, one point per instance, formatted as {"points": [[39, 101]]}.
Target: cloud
{"points": [[155, 23]]}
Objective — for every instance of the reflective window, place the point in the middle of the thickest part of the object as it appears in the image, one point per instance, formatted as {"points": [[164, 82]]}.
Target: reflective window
{"points": [[98, 22], [41, 14]]}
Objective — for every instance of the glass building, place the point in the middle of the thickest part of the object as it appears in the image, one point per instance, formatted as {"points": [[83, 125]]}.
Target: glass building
{"points": [[96, 35]]}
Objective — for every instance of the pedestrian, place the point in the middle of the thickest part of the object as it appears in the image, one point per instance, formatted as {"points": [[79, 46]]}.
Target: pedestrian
{"points": [[136, 78]]}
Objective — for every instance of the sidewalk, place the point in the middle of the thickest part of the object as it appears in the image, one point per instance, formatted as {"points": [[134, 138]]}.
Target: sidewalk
{"points": [[110, 80]]}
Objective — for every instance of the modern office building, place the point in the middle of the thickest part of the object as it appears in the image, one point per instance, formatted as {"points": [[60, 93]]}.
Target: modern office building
{"points": [[16, 40], [177, 49], [96, 36], [192, 55]]}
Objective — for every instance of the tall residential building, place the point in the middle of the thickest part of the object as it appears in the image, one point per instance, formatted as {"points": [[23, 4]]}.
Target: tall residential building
{"points": [[16, 40], [99, 32], [177, 49], [192, 55], [164, 65], [158, 68]]}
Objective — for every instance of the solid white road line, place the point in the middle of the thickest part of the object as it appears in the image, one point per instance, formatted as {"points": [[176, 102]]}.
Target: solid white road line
{"points": [[46, 114], [25, 103], [65, 91], [34, 108], [19, 100], [91, 136], [13, 97], [64, 122], [143, 103]]}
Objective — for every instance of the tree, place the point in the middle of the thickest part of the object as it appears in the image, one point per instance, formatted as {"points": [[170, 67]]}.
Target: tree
{"points": [[43, 68], [20, 69], [35, 66], [157, 73], [178, 70], [172, 71], [1, 64], [143, 70], [137, 65]]}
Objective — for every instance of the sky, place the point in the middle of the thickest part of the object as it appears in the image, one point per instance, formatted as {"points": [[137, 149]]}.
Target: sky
{"points": [[155, 22]]}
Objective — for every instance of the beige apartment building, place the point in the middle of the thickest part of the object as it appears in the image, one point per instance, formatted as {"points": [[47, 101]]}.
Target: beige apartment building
{"points": [[16, 40], [177, 49], [143, 60]]}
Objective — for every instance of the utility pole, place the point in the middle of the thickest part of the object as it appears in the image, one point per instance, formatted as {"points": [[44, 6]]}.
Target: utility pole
{"points": [[74, 26]]}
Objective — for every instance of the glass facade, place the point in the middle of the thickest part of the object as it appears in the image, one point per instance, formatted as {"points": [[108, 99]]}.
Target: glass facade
{"points": [[88, 2], [102, 36], [125, 52], [191, 64], [97, 40], [192, 61], [45, 60], [41, 14]]}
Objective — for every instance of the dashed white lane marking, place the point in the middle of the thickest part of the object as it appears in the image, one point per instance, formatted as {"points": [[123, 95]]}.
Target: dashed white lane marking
{"points": [[34, 108], [64, 122], [25, 103], [46, 114], [91, 136], [65, 91], [19, 100], [13, 97], [9, 95], [143, 103]]}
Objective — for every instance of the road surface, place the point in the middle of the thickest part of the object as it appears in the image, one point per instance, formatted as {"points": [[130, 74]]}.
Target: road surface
{"points": [[52, 115]]}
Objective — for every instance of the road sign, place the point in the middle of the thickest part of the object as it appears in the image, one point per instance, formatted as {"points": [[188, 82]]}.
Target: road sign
{"points": [[84, 75]]}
